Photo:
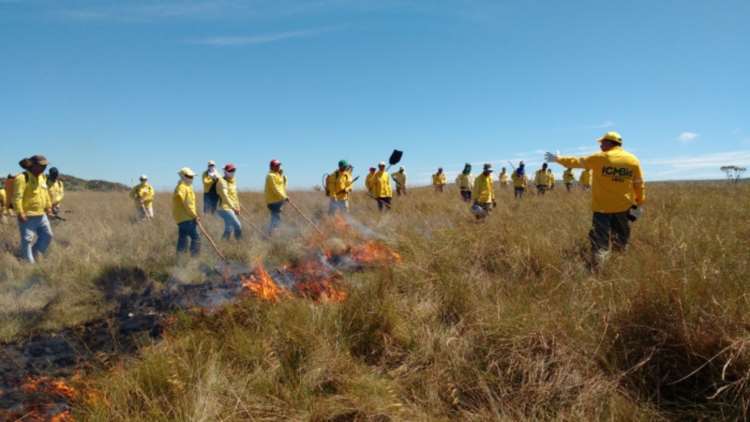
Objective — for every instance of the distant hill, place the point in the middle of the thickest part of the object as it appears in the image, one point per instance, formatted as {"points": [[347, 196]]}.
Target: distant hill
{"points": [[73, 183]]}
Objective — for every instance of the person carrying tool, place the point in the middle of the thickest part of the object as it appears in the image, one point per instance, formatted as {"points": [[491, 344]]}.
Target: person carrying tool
{"points": [[275, 192], [185, 214], [210, 192], [618, 193], [465, 183], [585, 179], [483, 193], [400, 178], [520, 181], [439, 180], [32, 203], [568, 179], [143, 195], [382, 189], [229, 203], [56, 191], [541, 180], [338, 187], [369, 181], [504, 178]]}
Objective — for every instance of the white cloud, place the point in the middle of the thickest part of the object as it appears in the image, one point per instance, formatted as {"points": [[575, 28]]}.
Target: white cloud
{"points": [[604, 125], [231, 41], [695, 166], [688, 137]]}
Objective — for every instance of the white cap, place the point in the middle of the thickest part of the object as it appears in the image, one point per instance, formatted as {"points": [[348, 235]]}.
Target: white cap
{"points": [[186, 171], [211, 163], [382, 163], [144, 177]]}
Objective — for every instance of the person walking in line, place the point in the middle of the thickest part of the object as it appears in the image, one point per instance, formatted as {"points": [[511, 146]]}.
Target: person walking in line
{"points": [[229, 203], [338, 188], [465, 183], [550, 179], [585, 179], [210, 192], [275, 193], [618, 194], [33, 206], [400, 178], [185, 214], [3, 204], [56, 191], [483, 193], [369, 181], [520, 181], [439, 180], [568, 179], [382, 188], [541, 180], [143, 195], [504, 178]]}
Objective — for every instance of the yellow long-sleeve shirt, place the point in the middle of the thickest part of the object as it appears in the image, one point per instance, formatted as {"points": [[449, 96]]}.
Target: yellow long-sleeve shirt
{"points": [[585, 178], [465, 182], [504, 179], [208, 181], [400, 178], [227, 190], [339, 184], [183, 203], [543, 178], [3, 200], [56, 192], [143, 192], [484, 189], [519, 181], [439, 179], [275, 190], [31, 195], [382, 185], [568, 177], [617, 179]]}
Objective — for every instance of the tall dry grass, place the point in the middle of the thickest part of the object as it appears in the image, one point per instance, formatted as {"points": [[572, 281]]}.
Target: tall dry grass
{"points": [[494, 321]]}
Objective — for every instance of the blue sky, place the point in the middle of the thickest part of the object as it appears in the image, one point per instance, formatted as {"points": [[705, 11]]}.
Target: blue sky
{"points": [[113, 89]]}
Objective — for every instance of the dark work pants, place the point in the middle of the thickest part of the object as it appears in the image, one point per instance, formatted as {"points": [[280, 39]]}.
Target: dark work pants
{"points": [[187, 231], [606, 227], [384, 204], [518, 192], [466, 195]]}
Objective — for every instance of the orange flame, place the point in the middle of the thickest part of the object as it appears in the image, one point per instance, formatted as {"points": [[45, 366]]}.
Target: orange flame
{"points": [[372, 253], [262, 285]]}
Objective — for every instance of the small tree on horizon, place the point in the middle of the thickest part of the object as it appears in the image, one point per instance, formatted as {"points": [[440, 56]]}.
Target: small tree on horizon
{"points": [[734, 173]]}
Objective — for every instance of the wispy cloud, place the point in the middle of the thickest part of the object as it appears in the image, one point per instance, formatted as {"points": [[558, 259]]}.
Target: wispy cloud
{"points": [[688, 137], [604, 125], [139, 11], [696, 166], [232, 41]]}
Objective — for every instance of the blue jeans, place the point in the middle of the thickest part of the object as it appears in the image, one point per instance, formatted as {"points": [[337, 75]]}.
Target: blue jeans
{"points": [[231, 224], [275, 209], [187, 231], [39, 227], [338, 206]]}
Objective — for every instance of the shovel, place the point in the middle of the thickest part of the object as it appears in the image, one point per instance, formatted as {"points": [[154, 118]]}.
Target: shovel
{"points": [[396, 156]]}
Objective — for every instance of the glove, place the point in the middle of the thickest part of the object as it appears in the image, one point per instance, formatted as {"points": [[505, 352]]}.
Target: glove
{"points": [[551, 158], [635, 213]]}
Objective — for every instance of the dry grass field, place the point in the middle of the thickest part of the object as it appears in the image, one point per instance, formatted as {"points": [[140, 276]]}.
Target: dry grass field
{"points": [[494, 321]]}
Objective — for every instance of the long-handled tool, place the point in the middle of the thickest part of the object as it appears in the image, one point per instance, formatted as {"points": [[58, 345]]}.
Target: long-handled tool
{"points": [[211, 241], [395, 158], [305, 217], [252, 226]]}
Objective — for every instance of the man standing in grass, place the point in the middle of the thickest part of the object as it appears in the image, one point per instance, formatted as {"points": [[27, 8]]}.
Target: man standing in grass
{"points": [[32, 203], [382, 188], [465, 183], [185, 214], [275, 193], [585, 179], [568, 179], [439, 180], [550, 179], [520, 182], [3, 204], [483, 193], [229, 203], [504, 178], [210, 193], [338, 187], [400, 178], [56, 190], [617, 196], [541, 180], [143, 195]]}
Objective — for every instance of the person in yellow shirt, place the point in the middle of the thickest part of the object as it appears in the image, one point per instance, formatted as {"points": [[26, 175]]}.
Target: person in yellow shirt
{"points": [[541, 180], [185, 214], [32, 203], [229, 203], [504, 178], [568, 179], [465, 183], [56, 191], [382, 189], [550, 179], [585, 179], [439, 180], [275, 192], [338, 188], [143, 195], [617, 196], [400, 178], [483, 193], [369, 181], [211, 197], [3, 204], [520, 181]]}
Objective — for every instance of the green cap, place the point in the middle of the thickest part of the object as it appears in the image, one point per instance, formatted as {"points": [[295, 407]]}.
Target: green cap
{"points": [[343, 164]]}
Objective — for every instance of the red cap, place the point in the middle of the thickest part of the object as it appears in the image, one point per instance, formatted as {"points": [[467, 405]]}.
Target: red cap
{"points": [[275, 163], [230, 167]]}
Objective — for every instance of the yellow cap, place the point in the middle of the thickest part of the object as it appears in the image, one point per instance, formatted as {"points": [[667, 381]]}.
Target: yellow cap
{"points": [[186, 171], [611, 136]]}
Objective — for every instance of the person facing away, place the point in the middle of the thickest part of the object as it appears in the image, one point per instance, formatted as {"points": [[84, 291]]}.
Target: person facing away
{"points": [[143, 195], [483, 193], [338, 188], [369, 181], [400, 178], [275, 194], [3, 204], [568, 179], [229, 203], [550, 179], [465, 183], [185, 214], [439, 180], [618, 193], [56, 190], [520, 181], [210, 192], [541, 180], [382, 188], [504, 178], [585, 179], [33, 205]]}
